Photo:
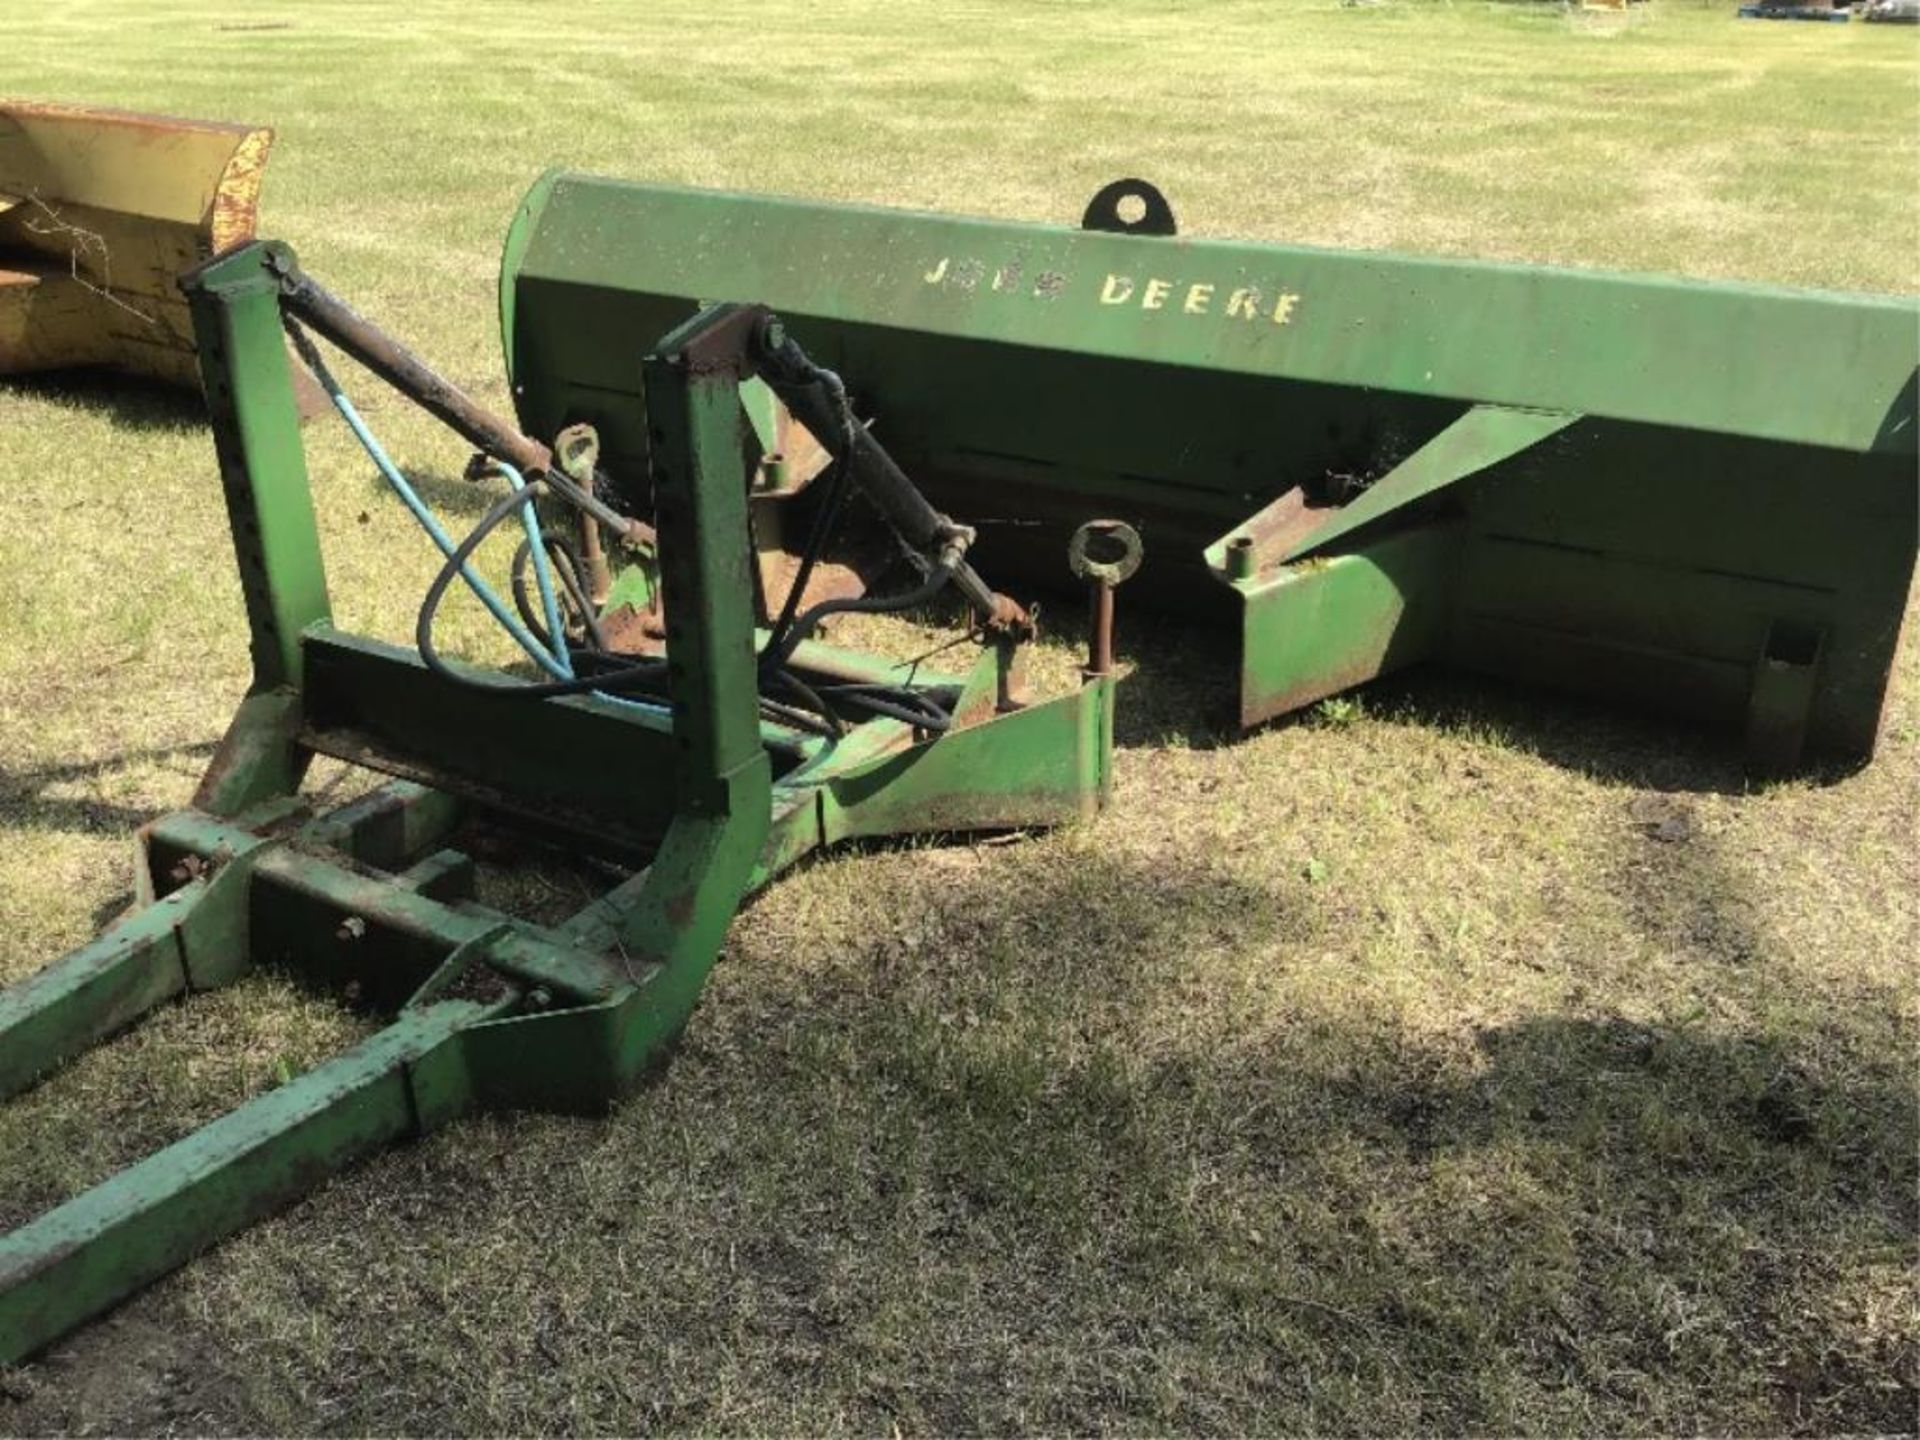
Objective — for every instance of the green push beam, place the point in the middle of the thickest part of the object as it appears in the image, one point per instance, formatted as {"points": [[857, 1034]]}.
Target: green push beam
{"points": [[372, 900], [78, 1259]]}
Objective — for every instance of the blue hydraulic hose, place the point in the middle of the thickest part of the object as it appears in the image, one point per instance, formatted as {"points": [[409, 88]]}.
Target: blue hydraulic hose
{"points": [[561, 668], [556, 662], [542, 571]]}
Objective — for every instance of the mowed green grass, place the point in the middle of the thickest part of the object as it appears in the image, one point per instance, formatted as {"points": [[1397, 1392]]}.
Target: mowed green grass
{"points": [[1454, 1059]]}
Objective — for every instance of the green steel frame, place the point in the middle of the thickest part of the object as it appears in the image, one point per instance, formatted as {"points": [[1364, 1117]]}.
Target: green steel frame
{"points": [[1697, 497], [487, 1010]]}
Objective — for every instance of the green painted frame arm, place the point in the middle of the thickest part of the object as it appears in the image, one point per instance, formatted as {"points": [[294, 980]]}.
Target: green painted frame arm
{"points": [[491, 1010], [689, 894], [1289, 529], [235, 303]]}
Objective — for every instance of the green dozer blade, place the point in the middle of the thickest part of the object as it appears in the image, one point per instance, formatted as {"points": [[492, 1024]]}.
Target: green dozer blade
{"points": [[1693, 497]]}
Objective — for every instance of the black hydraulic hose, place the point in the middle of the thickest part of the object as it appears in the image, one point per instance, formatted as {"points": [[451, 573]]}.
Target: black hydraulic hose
{"points": [[901, 703], [567, 569], [823, 523], [397, 365], [582, 498], [799, 719], [522, 602], [936, 581], [793, 716], [614, 671], [570, 568], [811, 697], [817, 399], [897, 702], [629, 676]]}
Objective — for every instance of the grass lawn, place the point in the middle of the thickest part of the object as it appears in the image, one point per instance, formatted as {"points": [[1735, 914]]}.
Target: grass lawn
{"points": [[1453, 1059]]}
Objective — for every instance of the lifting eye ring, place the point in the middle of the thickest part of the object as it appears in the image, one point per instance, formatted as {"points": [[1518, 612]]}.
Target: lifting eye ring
{"points": [[1154, 217], [1106, 552]]}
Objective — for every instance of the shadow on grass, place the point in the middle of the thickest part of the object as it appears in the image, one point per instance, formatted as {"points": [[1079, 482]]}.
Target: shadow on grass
{"points": [[446, 494], [26, 804], [1634, 1224], [1182, 687], [132, 402], [1183, 690], [24, 799], [1037, 1145], [1604, 741], [1056, 1140]]}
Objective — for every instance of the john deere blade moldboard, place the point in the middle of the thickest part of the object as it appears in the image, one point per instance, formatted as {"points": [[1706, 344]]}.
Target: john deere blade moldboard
{"points": [[1698, 498]]}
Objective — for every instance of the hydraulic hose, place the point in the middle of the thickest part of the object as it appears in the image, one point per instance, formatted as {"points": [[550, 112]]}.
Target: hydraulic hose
{"points": [[816, 396], [304, 297], [936, 581], [543, 637], [612, 681]]}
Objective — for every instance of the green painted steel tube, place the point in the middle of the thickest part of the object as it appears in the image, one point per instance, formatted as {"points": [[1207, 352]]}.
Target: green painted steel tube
{"points": [[195, 938], [98, 989], [104, 1244], [235, 303], [491, 1010]]}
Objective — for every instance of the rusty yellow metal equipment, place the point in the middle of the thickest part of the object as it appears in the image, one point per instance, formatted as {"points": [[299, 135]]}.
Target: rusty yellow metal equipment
{"points": [[101, 212]]}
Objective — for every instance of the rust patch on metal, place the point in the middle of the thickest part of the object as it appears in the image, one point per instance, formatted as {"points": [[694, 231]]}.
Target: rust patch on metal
{"points": [[1009, 617], [138, 120], [236, 200], [634, 632], [478, 982], [830, 580], [1277, 528]]}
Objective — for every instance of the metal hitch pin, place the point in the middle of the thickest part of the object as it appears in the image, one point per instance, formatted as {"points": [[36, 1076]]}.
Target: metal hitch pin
{"points": [[1104, 553]]}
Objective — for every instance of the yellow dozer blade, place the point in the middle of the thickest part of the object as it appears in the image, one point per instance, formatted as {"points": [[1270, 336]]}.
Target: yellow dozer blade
{"points": [[100, 212]]}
